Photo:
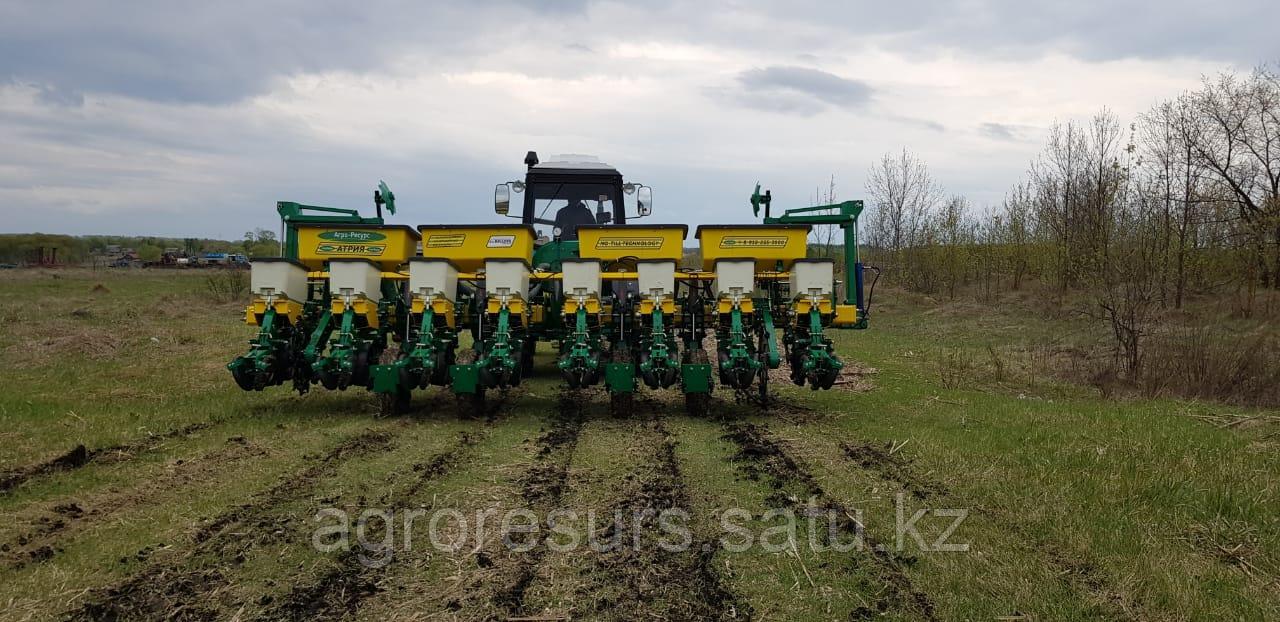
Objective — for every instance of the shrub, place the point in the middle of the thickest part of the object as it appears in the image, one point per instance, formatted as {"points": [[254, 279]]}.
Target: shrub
{"points": [[1210, 363], [227, 285]]}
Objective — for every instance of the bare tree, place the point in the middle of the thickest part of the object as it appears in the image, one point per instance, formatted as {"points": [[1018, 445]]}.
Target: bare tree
{"points": [[824, 236], [1055, 176], [1128, 287], [1170, 133], [1075, 181], [902, 192], [1239, 143]]}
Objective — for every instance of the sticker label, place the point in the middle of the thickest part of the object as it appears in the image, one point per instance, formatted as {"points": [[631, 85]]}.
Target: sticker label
{"points": [[501, 241], [628, 243], [752, 241], [361, 250], [446, 240], [352, 236]]}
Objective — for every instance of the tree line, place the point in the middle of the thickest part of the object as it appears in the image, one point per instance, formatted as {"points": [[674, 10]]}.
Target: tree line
{"points": [[1126, 220], [19, 248], [1186, 197]]}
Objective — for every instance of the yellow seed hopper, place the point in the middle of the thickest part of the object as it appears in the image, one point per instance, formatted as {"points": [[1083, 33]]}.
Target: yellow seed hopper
{"points": [[613, 242], [767, 244], [387, 245], [468, 246]]}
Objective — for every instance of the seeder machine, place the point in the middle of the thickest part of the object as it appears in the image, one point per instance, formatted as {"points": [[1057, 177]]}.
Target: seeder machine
{"points": [[389, 308]]}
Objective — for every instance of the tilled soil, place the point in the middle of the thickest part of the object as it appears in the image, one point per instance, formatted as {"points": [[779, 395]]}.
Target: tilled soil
{"points": [[883, 461], [542, 486]]}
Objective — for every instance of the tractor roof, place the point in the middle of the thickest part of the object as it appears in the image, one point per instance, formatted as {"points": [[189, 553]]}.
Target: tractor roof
{"points": [[576, 163]]}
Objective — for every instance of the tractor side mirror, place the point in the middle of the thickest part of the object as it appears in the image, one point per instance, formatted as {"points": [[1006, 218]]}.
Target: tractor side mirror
{"points": [[502, 199], [644, 200]]}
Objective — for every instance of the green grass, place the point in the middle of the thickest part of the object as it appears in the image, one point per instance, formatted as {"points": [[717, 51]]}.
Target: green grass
{"points": [[1079, 507]]}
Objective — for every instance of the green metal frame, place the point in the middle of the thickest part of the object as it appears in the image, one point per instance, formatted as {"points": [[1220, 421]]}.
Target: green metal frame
{"points": [[846, 217], [292, 214]]}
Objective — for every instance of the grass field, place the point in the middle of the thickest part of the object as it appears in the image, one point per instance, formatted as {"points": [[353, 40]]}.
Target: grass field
{"points": [[193, 500]]}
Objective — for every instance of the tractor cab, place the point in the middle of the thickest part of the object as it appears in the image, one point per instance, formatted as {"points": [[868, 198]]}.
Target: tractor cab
{"points": [[571, 191]]}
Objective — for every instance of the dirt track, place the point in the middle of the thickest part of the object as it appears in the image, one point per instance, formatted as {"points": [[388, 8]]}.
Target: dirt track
{"points": [[253, 558]]}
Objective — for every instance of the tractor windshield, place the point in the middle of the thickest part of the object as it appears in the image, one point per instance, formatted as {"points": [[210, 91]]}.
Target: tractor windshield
{"points": [[566, 206]]}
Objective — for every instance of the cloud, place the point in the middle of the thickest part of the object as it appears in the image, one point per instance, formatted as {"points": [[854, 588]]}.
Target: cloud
{"points": [[927, 124], [59, 96], [796, 90], [998, 131], [1007, 131], [818, 84], [193, 119], [1239, 32], [220, 52]]}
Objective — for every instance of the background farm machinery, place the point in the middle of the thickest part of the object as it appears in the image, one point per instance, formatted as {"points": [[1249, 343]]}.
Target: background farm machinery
{"points": [[356, 302]]}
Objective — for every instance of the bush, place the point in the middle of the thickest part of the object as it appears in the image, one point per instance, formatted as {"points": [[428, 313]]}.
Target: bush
{"points": [[1213, 364], [225, 285]]}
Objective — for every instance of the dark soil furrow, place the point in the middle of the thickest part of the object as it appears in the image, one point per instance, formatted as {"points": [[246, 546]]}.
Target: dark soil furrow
{"points": [[893, 468], [644, 579], [80, 456], [184, 586], [72, 515], [763, 457], [1084, 576], [1079, 575], [541, 486], [778, 406], [296, 485], [340, 591], [1075, 571]]}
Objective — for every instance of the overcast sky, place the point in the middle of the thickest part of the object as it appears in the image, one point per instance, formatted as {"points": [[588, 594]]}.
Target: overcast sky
{"points": [[193, 120]]}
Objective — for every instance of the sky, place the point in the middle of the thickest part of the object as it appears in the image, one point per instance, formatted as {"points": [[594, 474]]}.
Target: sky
{"points": [[192, 119]]}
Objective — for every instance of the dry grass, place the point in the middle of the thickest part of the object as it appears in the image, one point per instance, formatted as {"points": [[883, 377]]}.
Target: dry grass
{"points": [[1209, 363], [226, 285], [1036, 340]]}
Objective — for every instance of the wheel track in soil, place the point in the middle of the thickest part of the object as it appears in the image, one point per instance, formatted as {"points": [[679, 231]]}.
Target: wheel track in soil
{"points": [[339, 592], [1080, 576], [167, 588], [892, 468], [541, 486], [761, 455], [80, 456], [687, 583], [1075, 572], [71, 515]]}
